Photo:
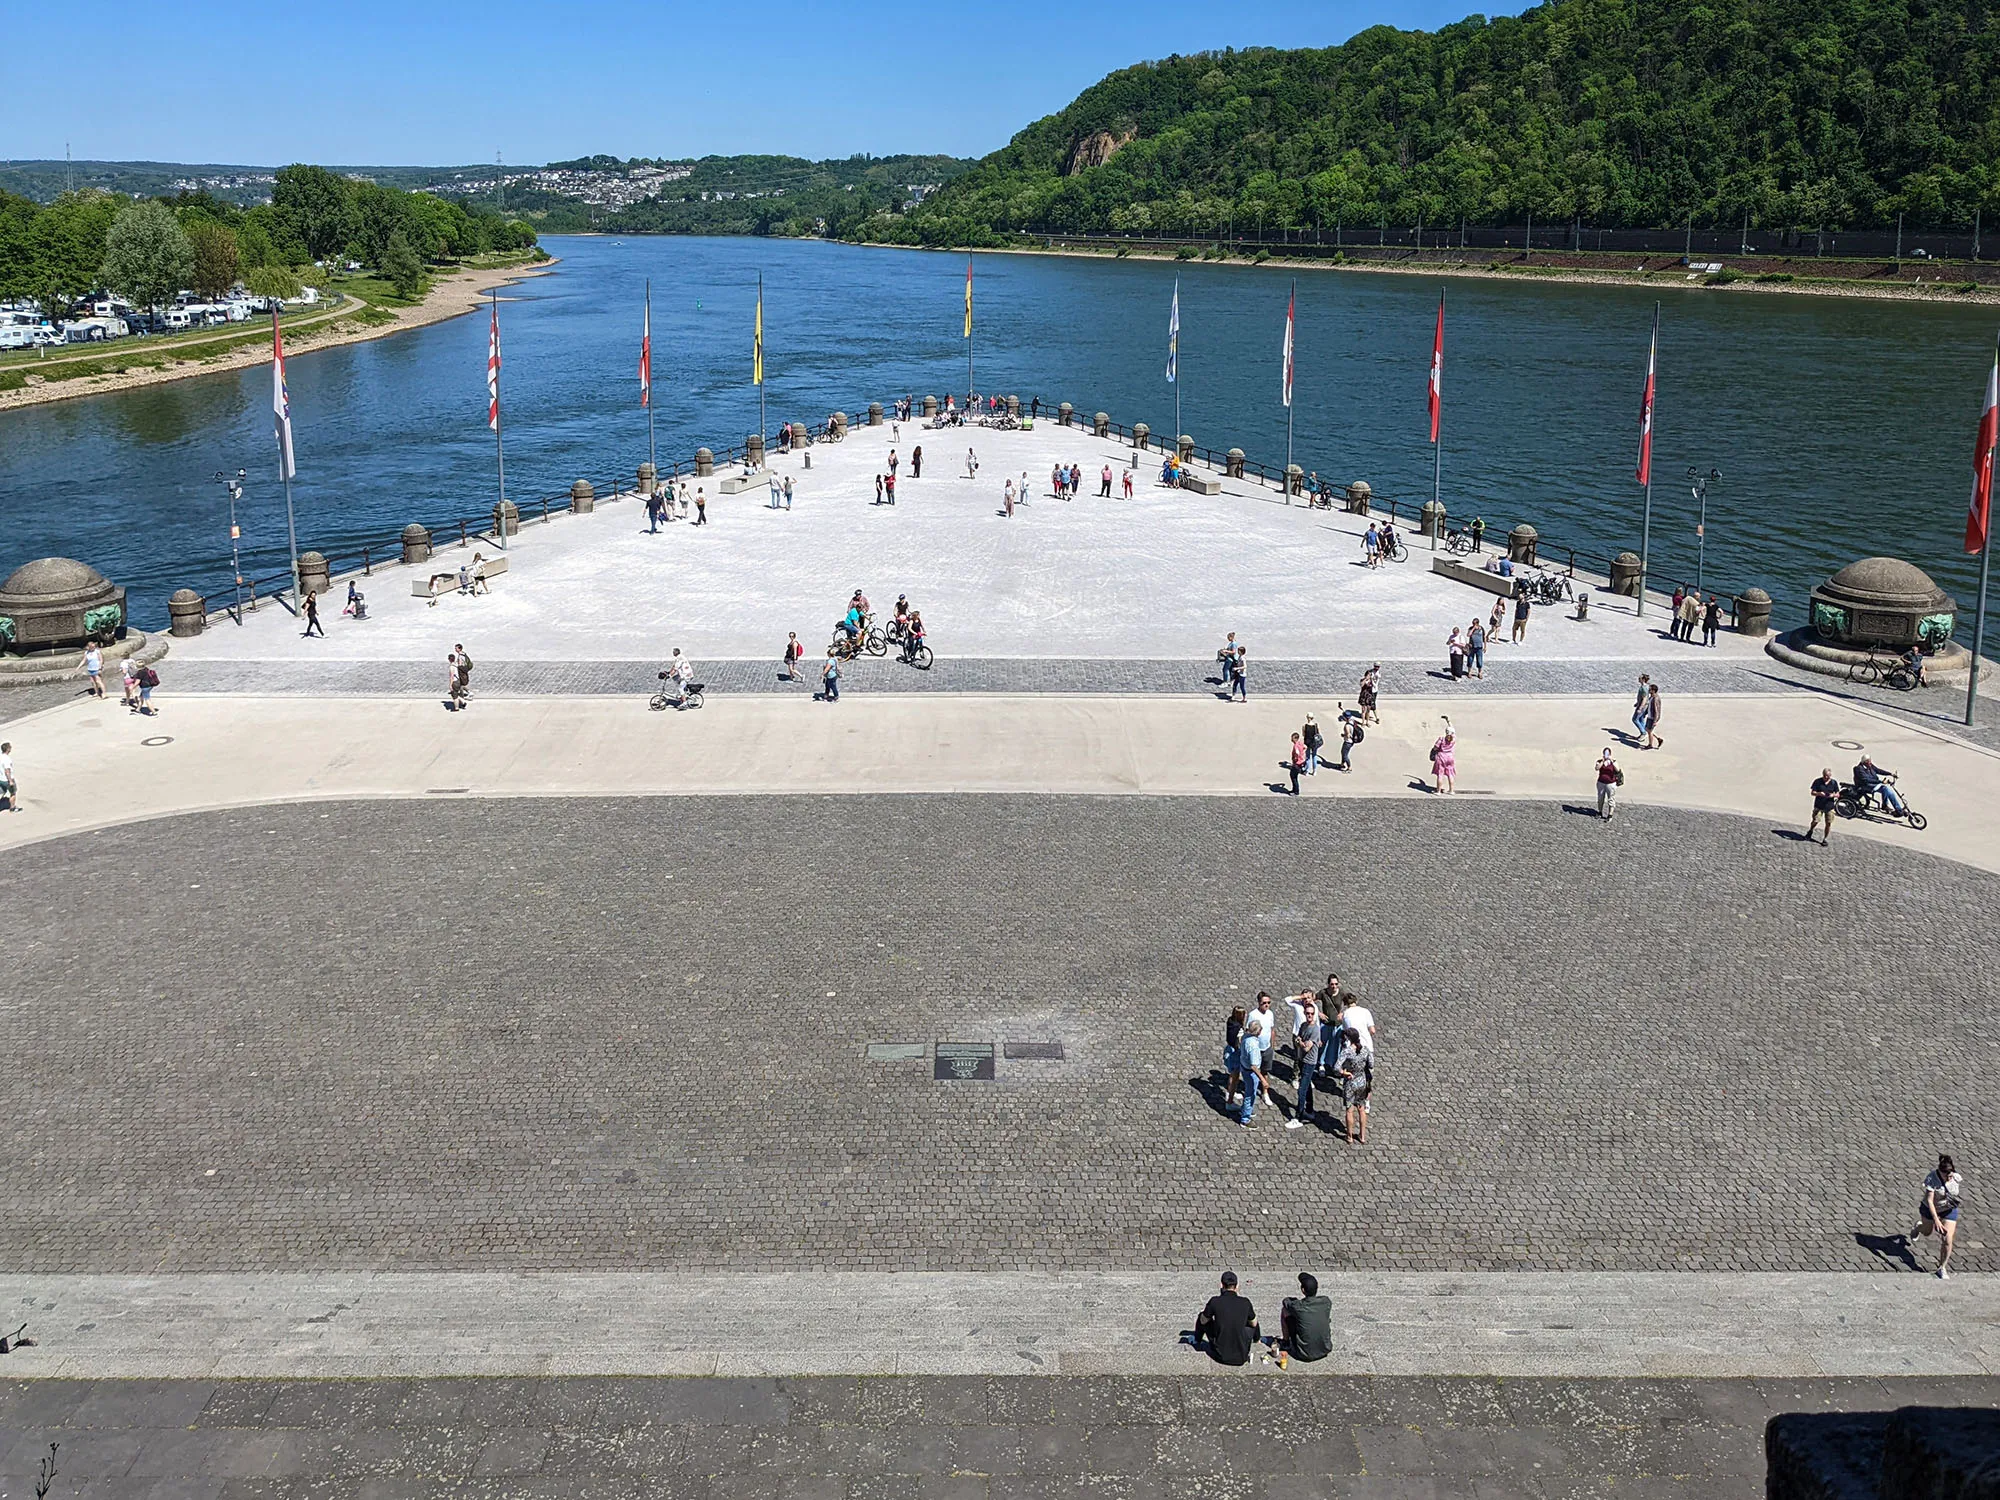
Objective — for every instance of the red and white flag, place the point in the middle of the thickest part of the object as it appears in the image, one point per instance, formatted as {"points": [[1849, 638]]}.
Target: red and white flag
{"points": [[1646, 405], [1437, 371], [646, 352], [493, 371], [281, 401], [1290, 308], [1979, 516]]}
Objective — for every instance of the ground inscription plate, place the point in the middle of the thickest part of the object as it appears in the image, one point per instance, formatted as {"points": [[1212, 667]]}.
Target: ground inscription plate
{"points": [[961, 1060]]}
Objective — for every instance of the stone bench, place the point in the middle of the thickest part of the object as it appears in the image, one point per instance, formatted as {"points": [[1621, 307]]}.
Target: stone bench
{"points": [[433, 584], [1479, 578], [1201, 484], [736, 484]]}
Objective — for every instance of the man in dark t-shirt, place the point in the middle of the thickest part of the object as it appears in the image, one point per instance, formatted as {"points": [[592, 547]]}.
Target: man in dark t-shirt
{"points": [[1825, 795], [1228, 1325]]}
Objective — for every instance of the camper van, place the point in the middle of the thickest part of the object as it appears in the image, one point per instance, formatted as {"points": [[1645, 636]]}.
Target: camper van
{"points": [[94, 330], [178, 320]]}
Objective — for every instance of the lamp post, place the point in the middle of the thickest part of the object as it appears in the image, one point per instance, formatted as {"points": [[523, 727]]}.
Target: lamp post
{"points": [[1699, 482], [234, 484]]}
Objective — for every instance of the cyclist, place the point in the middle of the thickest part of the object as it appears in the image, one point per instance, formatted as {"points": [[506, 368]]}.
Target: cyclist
{"points": [[680, 672], [1388, 545], [1914, 660], [849, 624], [902, 617], [913, 635], [1869, 778]]}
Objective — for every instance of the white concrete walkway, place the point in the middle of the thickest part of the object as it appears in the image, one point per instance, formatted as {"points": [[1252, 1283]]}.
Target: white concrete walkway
{"points": [[1164, 574]]}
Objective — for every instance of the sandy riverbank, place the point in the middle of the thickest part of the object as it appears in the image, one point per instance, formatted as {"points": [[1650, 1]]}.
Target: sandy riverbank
{"points": [[452, 294]]}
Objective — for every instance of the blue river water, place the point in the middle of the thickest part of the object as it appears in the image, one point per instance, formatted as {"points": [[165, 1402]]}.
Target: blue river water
{"points": [[1841, 427]]}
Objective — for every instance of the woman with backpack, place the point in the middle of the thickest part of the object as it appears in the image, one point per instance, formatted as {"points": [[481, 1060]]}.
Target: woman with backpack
{"points": [[1350, 736]]}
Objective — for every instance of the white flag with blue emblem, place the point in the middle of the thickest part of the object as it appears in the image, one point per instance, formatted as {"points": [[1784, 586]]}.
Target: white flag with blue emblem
{"points": [[1174, 335]]}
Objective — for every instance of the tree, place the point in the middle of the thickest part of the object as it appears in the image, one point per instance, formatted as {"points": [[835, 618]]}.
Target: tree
{"points": [[272, 281], [318, 205], [147, 256], [216, 265], [402, 266], [66, 250]]}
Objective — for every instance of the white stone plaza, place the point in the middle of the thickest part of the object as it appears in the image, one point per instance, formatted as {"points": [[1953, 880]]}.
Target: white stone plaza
{"points": [[1162, 575]]}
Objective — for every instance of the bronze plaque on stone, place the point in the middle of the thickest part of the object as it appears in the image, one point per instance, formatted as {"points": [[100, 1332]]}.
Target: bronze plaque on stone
{"points": [[961, 1060]]}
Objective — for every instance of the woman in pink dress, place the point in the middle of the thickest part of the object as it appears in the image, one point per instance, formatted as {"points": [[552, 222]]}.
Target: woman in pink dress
{"points": [[1444, 760]]}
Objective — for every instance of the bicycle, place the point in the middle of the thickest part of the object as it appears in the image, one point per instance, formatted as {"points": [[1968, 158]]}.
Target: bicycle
{"points": [[1395, 551], [1877, 671], [663, 700], [1856, 802], [1457, 542]]}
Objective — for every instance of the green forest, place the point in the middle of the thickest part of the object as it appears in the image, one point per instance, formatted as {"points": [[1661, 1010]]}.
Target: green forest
{"points": [[149, 248], [1842, 114]]}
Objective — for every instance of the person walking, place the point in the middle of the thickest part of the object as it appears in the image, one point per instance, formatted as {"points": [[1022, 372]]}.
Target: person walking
{"points": [[829, 677], [917, 462], [1350, 736], [313, 626], [1639, 708], [1520, 618], [1444, 760], [1475, 648], [878, 489], [1826, 797], [653, 514], [10, 781], [1370, 686], [1239, 678], [1232, 1056], [1711, 620], [454, 683], [793, 651], [700, 508], [1936, 1214], [1128, 484], [1007, 499], [148, 680], [1690, 615], [1494, 620], [1609, 779], [1455, 650], [1313, 741], [971, 464], [788, 492], [129, 670], [1654, 739], [1295, 762], [93, 668], [1371, 546], [1104, 484]]}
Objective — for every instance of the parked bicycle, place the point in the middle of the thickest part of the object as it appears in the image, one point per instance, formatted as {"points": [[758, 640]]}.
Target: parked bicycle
{"points": [[1883, 671]]}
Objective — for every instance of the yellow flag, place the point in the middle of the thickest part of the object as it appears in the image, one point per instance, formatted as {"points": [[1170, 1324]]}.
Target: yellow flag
{"points": [[757, 353], [968, 298]]}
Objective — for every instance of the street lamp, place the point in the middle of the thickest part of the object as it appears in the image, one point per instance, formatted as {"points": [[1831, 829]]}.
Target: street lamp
{"points": [[1699, 483], [235, 487]]}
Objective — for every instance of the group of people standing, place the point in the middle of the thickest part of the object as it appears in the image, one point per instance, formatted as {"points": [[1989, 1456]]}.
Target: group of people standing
{"points": [[1332, 1042], [1465, 648], [1691, 614], [662, 502]]}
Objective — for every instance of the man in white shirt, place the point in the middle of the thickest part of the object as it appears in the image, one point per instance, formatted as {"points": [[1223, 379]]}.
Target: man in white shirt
{"points": [[8, 787], [683, 673], [1358, 1018]]}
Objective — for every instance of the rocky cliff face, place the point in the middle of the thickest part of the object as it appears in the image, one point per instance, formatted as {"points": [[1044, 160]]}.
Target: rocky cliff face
{"points": [[1094, 150]]}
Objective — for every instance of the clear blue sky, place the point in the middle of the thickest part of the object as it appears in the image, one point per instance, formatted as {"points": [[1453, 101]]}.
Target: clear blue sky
{"points": [[448, 82]]}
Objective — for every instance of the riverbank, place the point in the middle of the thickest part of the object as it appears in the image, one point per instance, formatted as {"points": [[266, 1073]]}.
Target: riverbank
{"points": [[452, 293], [1649, 273]]}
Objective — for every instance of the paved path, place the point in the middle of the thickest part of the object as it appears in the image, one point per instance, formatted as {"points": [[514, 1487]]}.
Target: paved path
{"points": [[1595, 1325], [914, 1439], [634, 1034]]}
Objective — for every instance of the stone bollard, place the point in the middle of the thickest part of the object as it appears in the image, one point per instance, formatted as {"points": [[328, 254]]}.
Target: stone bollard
{"points": [[930, 406], [836, 426], [1625, 574], [1140, 433], [1521, 544], [186, 613], [416, 544], [649, 476], [314, 575], [753, 450], [798, 434], [1753, 613], [583, 497], [1064, 413], [1100, 425], [874, 413], [1013, 406], [1295, 481], [1360, 495], [704, 463], [1184, 449], [1430, 519], [1235, 463], [506, 518]]}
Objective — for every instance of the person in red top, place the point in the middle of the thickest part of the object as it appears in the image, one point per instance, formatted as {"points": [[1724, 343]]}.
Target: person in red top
{"points": [[1608, 778], [1297, 764]]}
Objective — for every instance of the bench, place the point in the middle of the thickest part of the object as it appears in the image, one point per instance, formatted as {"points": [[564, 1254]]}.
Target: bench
{"points": [[433, 584], [1479, 578], [1201, 484], [736, 484]]}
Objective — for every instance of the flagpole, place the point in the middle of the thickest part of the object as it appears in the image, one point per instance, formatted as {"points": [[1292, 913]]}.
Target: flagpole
{"points": [[1292, 343], [760, 371], [285, 473], [1982, 508], [652, 454], [968, 330], [499, 453], [1646, 522], [1979, 621], [1437, 442]]}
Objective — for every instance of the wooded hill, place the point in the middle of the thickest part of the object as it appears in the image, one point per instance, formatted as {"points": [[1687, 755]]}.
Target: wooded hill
{"points": [[1829, 114]]}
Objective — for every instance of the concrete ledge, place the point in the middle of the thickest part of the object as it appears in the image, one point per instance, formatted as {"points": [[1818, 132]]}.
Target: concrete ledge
{"points": [[1201, 484], [1479, 578], [25, 671], [1803, 649], [736, 484]]}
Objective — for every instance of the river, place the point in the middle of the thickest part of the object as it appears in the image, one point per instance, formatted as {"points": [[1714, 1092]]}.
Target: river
{"points": [[1841, 427]]}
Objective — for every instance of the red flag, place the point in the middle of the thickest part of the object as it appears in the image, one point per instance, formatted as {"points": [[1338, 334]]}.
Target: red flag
{"points": [[493, 371], [646, 353], [1980, 513], [1437, 371], [1646, 405]]}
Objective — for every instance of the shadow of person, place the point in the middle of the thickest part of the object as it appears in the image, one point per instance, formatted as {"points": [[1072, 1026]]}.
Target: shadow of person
{"points": [[1791, 833], [1889, 1249], [1213, 1086], [1579, 809]]}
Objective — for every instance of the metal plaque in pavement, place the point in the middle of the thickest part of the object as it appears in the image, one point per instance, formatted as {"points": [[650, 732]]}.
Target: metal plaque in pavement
{"points": [[1035, 1051], [959, 1060]]}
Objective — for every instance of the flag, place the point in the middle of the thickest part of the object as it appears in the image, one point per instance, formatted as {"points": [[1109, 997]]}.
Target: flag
{"points": [[1437, 371], [1290, 307], [281, 401], [1174, 335], [757, 343], [1646, 405], [646, 353], [493, 371], [1980, 514], [968, 296]]}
